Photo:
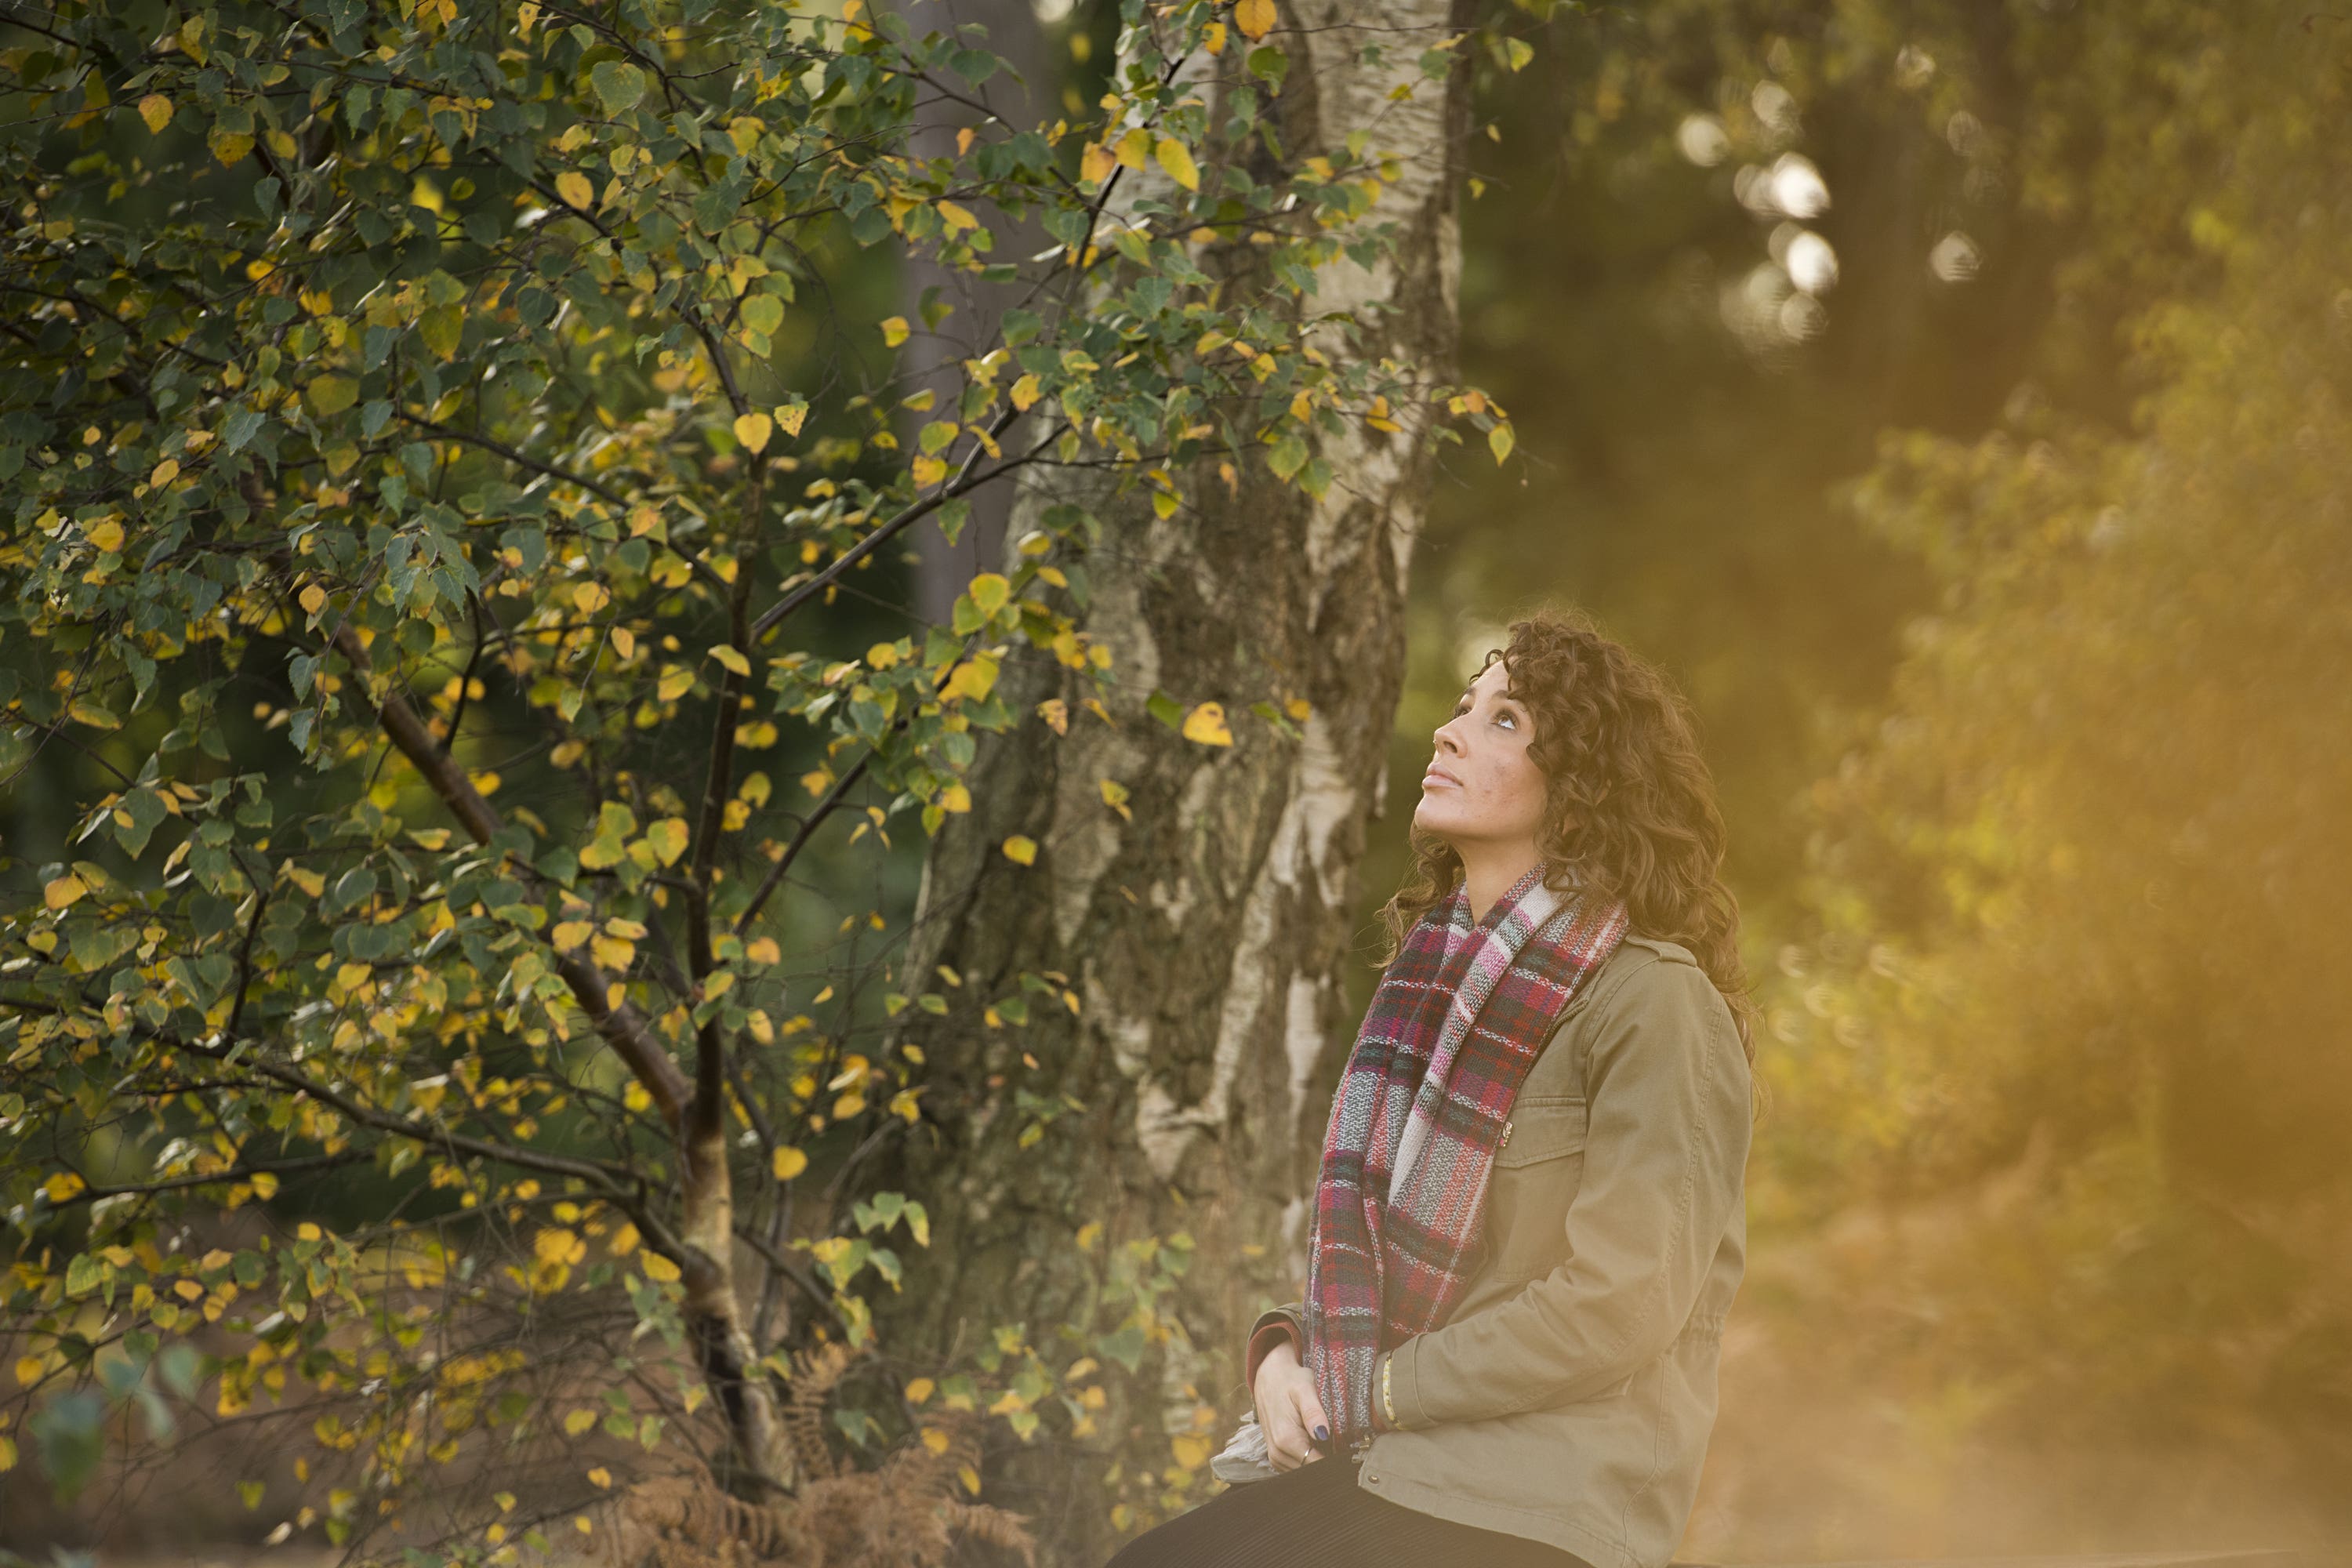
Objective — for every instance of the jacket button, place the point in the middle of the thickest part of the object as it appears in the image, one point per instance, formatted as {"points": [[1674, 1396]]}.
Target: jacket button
{"points": [[1506, 1137]]}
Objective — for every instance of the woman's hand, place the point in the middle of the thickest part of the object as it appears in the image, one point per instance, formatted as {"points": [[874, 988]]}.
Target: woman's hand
{"points": [[1287, 1410]]}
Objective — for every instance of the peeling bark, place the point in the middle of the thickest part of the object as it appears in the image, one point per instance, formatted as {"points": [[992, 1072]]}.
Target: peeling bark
{"points": [[1205, 938]]}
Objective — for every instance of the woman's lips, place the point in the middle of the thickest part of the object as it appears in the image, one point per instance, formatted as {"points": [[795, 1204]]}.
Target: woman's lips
{"points": [[1439, 777]]}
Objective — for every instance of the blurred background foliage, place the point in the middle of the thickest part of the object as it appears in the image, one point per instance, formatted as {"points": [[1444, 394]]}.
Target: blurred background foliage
{"points": [[1952, 397]]}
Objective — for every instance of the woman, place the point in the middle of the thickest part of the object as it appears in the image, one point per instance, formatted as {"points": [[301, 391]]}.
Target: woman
{"points": [[1530, 1218]]}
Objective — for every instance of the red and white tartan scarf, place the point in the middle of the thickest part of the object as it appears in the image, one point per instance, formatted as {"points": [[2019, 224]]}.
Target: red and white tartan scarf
{"points": [[1457, 1019]]}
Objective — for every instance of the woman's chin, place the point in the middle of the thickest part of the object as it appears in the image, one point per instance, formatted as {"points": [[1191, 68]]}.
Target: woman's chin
{"points": [[1434, 818]]}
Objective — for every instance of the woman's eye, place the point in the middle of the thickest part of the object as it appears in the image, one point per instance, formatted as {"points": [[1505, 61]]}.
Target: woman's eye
{"points": [[1507, 719]]}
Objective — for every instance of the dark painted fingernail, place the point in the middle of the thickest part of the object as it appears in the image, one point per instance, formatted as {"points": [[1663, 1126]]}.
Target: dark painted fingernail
{"points": [[1322, 1434]]}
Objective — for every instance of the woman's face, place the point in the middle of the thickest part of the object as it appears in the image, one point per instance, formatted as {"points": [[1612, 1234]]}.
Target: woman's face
{"points": [[1483, 786]]}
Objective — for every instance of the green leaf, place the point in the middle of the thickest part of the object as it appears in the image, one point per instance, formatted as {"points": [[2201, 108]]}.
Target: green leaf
{"points": [[763, 312], [619, 86], [1289, 456], [331, 394], [71, 1437], [1269, 64], [441, 328], [1125, 1347]]}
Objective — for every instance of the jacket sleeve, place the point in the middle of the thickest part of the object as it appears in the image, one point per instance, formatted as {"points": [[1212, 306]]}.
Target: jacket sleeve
{"points": [[1666, 1156], [1290, 1318]]}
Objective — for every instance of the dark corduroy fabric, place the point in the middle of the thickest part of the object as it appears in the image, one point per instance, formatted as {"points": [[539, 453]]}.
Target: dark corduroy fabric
{"points": [[1317, 1517]]}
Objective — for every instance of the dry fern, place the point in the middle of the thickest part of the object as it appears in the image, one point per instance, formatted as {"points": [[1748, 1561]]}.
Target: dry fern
{"points": [[816, 1372], [907, 1512]]}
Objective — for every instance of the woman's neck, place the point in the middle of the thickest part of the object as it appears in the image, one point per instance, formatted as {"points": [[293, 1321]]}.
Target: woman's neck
{"points": [[1488, 871]]}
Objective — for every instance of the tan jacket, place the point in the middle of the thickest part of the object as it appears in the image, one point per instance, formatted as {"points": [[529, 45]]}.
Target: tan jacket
{"points": [[1571, 1395]]}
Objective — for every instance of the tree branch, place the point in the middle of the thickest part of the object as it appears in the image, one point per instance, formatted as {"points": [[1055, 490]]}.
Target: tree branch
{"points": [[962, 482], [623, 1028]]}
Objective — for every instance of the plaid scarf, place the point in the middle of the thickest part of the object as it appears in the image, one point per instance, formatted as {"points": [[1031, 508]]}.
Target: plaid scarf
{"points": [[1458, 1017]]}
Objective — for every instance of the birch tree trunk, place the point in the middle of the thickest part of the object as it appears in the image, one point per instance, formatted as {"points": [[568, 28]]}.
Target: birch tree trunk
{"points": [[1203, 933], [1020, 98]]}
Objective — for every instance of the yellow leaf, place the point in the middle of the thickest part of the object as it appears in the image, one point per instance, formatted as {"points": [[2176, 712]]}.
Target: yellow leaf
{"points": [[1498, 440], [766, 950], [1255, 18], [314, 599], [1177, 159], [107, 533], [676, 679], [754, 430], [156, 111], [789, 1163], [601, 1478], [1206, 724], [989, 591], [625, 642], [1020, 849], [928, 471], [974, 679], [1025, 392], [958, 218], [894, 332], [573, 187], [656, 1267], [558, 1246], [1213, 37], [732, 658], [921, 1390], [578, 1421], [309, 882], [667, 837], [28, 1370], [8, 1454], [955, 798], [1134, 147], [65, 890], [1097, 162], [790, 416], [970, 1478], [1192, 1450], [935, 1440], [264, 1185]]}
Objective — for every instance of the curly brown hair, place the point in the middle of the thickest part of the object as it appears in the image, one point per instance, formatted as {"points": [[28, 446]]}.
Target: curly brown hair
{"points": [[1628, 810]]}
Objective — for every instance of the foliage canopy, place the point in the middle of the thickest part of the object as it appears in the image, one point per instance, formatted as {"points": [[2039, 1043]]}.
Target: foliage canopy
{"points": [[444, 453]]}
